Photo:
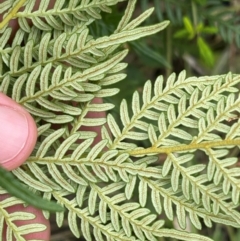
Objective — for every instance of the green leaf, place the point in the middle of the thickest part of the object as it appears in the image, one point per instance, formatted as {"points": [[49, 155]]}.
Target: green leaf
{"points": [[182, 33], [9, 182], [209, 30], [205, 51], [189, 27]]}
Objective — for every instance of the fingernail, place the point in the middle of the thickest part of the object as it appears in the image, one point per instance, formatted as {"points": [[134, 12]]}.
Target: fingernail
{"points": [[14, 131]]}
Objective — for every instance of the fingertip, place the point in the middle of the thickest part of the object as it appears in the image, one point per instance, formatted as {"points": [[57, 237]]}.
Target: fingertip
{"points": [[18, 133]]}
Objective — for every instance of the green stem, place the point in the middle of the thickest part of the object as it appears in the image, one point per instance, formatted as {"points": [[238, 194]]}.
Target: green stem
{"points": [[169, 50], [194, 13], [231, 233], [185, 147], [12, 13]]}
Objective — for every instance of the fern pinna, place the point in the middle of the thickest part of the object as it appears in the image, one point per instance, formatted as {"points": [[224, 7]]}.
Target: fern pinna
{"points": [[114, 189]]}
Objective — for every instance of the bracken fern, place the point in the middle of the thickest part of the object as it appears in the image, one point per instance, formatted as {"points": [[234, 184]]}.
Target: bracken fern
{"points": [[55, 68]]}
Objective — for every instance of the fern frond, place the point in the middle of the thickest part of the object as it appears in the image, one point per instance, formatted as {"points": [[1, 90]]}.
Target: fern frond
{"points": [[195, 211], [165, 136], [62, 14], [47, 87], [6, 215], [113, 189], [88, 221], [220, 167], [151, 105], [127, 15], [226, 21], [172, 10], [97, 166], [4, 6], [58, 89]]}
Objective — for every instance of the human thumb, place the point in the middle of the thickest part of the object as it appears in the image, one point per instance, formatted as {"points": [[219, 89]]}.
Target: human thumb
{"points": [[18, 133]]}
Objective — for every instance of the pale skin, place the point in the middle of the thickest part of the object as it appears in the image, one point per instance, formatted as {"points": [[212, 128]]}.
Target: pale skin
{"points": [[18, 135]]}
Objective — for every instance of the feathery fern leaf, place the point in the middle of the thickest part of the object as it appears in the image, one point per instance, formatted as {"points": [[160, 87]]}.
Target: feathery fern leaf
{"points": [[14, 231], [113, 188], [166, 137]]}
